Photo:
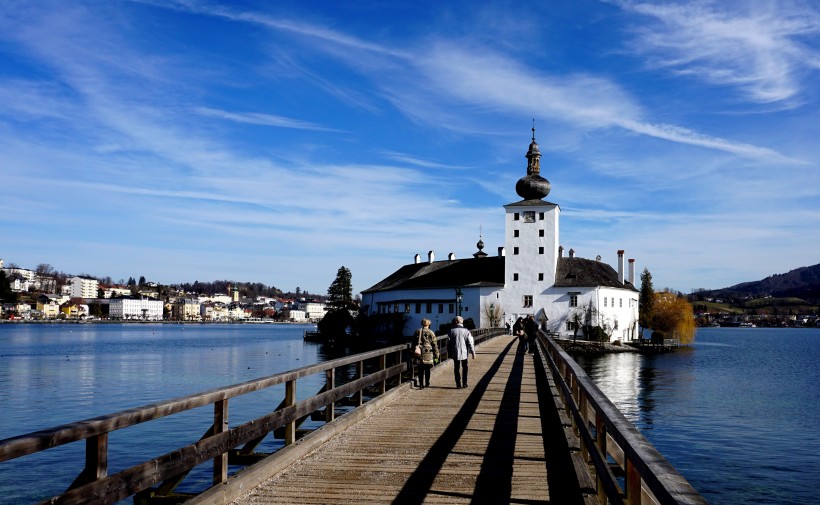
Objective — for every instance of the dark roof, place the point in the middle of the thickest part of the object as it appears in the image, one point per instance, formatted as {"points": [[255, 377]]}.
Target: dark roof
{"points": [[470, 272], [580, 272]]}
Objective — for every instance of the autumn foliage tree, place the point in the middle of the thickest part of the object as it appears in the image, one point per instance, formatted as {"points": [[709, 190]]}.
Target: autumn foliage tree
{"points": [[673, 315]]}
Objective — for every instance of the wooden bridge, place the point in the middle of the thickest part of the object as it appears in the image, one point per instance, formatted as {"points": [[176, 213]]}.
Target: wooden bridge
{"points": [[528, 429]]}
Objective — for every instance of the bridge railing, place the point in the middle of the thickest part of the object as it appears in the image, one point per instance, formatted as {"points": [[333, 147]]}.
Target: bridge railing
{"points": [[224, 445], [605, 434], [220, 443]]}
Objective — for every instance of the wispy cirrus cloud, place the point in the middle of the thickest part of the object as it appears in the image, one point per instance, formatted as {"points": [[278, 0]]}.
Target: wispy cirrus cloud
{"points": [[762, 48], [258, 118]]}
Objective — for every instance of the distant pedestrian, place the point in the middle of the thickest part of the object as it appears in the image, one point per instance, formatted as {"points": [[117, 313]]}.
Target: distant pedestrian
{"points": [[530, 328], [507, 324], [459, 346], [426, 339], [518, 331]]}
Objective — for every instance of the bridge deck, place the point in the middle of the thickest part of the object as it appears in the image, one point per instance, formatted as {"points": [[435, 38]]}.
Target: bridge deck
{"points": [[482, 444]]}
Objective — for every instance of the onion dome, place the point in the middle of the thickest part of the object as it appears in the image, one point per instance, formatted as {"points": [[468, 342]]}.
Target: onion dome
{"points": [[480, 246], [532, 186]]}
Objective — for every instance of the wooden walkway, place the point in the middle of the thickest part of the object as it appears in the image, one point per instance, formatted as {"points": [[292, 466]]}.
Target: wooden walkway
{"points": [[482, 444]]}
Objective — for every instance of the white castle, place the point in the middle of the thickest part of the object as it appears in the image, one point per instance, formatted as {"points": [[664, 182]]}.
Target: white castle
{"points": [[530, 275]]}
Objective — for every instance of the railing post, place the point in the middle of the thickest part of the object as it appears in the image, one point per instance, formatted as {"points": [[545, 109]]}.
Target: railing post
{"points": [[330, 410], [582, 409], [359, 375], [290, 399], [600, 436], [220, 426], [633, 483], [383, 366]]}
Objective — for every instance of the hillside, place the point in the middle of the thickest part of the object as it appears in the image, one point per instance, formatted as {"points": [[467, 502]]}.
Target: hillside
{"points": [[803, 282]]}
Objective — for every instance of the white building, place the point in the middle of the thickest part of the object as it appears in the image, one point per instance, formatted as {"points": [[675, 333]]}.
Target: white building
{"points": [[82, 287], [314, 311], [530, 275], [135, 309]]}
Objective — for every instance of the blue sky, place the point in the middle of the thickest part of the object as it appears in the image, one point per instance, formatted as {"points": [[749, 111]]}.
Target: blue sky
{"points": [[274, 142]]}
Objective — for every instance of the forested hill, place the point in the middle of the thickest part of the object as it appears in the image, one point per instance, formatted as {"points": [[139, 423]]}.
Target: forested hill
{"points": [[801, 282]]}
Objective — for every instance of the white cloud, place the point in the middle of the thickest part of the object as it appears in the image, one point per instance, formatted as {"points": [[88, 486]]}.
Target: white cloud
{"points": [[762, 48]]}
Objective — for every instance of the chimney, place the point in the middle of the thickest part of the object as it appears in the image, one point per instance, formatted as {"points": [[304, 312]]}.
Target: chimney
{"points": [[417, 259], [632, 271], [621, 266], [501, 252], [560, 251], [431, 257], [451, 256], [572, 253]]}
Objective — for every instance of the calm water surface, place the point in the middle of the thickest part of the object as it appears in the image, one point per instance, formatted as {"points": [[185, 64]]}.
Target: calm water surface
{"points": [[56, 374], [737, 413]]}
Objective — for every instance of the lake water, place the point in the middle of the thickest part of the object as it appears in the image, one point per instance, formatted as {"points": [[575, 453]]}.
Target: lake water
{"points": [[61, 373], [737, 413]]}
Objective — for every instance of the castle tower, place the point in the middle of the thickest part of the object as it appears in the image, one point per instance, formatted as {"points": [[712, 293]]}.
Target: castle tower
{"points": [[531, 239]]}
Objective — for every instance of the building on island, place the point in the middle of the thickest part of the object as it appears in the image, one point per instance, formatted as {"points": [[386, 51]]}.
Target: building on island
{"points": [[530, 275]]}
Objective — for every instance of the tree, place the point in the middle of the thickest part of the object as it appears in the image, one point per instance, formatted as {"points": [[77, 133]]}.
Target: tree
{"points": [[493, 313], [340, 292], [646, 301], [673, 315], [6, 294], [142, 280]]}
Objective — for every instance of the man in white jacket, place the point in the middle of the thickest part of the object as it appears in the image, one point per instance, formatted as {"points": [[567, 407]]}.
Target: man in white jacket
{"points": [[459, 346]]}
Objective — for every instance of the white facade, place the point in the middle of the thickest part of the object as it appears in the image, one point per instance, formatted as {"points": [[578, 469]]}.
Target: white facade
{"points": [[82, 287], [314, 310], [130, 309], [530, 276]]}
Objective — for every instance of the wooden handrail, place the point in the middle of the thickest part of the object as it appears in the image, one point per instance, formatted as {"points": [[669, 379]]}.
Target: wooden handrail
{"points": [[94, 485], [650, 478]]}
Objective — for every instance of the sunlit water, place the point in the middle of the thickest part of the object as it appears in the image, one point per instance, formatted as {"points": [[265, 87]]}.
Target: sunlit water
{"points": [[56, 374], [736, 413]]}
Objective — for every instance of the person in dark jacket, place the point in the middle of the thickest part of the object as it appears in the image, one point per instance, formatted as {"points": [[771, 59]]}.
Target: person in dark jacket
{"points": [[530, 328], [518, 331]]}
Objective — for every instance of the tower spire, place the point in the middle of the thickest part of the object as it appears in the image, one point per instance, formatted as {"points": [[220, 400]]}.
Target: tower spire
{"points": [[532, 186]]}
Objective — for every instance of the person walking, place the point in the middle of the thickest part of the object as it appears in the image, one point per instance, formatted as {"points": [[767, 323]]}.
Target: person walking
{"points": [[530, 328], [459, 345], [426, 339], [518, 331]]}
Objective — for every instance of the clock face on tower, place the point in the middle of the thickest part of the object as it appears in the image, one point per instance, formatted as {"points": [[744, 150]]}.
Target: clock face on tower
{"points": [[529, 216]]}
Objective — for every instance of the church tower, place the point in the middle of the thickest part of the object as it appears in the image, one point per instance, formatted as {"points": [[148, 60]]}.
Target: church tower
{"points": [[531, 240]]}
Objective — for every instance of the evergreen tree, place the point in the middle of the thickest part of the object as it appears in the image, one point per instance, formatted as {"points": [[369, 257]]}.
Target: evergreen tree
{"points": [[646, 302], [340, 292]]}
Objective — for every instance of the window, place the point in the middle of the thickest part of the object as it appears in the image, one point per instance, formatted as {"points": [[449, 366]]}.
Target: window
{"points": [[540, 276], [540, 233], [529, 216], [620, 302], [406, 308], [527, 300], [515, 250], [418, 308], [540, 250], [429, 308], [515, 277], [541, 216], [515, 216], [573, 299], [452, 308], [441, 308], [570, 325], [604, 301], [515, 233], [613, 302]]}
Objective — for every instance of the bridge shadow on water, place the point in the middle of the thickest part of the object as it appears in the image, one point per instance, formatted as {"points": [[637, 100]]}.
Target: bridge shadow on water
{"points": [[494, 482]]}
